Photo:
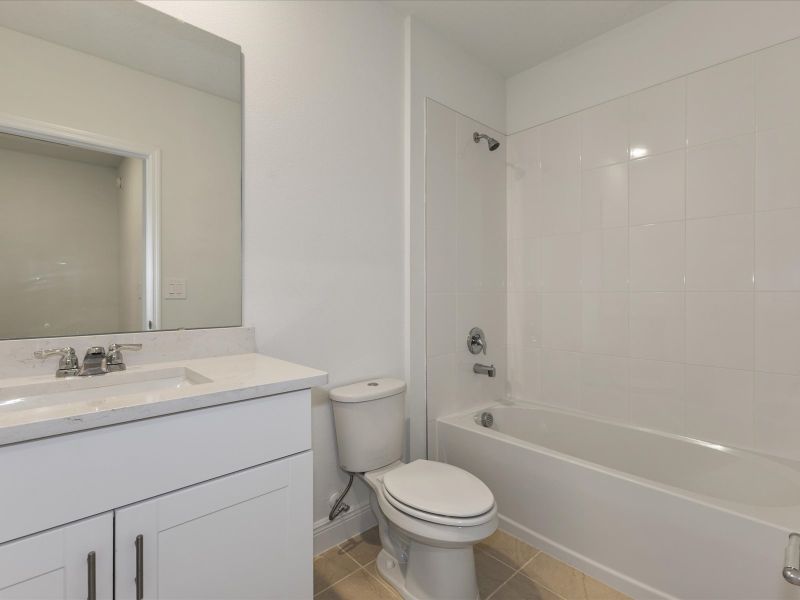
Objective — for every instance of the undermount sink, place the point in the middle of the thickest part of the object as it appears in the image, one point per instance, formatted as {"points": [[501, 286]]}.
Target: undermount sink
{"points": [[152, 384]]}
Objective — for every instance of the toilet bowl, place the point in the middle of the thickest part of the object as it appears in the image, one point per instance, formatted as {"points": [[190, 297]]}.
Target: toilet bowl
{"points": [[429, 514]]}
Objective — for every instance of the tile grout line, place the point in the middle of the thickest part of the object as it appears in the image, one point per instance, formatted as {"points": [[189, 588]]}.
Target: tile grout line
{"points": [[360, 568], [520, 571], [525, 564], [379, 579]]}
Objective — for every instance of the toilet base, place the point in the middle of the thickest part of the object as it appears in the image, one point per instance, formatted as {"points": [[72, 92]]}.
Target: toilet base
{"points": [[391, 571], [443, 573]]}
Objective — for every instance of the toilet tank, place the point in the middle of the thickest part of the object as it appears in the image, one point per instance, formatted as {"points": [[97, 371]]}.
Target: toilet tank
{"points": [[369, 418]]}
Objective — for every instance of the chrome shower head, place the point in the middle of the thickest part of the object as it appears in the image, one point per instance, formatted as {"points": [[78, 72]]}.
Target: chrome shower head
{"points": [[493, 143]]}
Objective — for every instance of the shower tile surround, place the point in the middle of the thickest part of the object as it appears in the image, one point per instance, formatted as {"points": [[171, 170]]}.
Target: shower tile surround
{"points": [[654, 256], [465, 261]]}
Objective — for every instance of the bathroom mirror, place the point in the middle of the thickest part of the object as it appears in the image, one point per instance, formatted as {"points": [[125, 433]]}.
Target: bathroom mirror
{"points": [[120, 171]]}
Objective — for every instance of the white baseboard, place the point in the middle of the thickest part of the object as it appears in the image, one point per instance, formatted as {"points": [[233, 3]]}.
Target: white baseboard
{"points": [[618, 581], [328, 534]]}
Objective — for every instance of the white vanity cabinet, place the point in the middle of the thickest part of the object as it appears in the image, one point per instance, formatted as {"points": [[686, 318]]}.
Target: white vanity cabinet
{"points": [[244, 536], [220, 499], [60, 564]]}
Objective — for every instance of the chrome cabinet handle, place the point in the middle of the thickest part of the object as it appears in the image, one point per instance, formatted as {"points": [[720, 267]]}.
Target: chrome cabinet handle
{"points": [[91, 572], [139, 567], [791, 560]]}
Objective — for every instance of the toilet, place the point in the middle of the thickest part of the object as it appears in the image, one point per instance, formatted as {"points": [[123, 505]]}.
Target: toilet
{"points": [[429, 514]]}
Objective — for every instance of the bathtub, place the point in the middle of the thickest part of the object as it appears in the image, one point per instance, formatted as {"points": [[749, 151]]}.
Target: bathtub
{"points": [[651, 514]]}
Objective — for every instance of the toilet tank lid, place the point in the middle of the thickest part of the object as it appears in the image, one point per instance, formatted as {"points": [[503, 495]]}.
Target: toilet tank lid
{"points": [[372, 389]]}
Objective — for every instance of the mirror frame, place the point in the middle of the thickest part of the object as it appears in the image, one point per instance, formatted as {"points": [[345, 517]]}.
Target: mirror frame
{"points": [[50, 132]]}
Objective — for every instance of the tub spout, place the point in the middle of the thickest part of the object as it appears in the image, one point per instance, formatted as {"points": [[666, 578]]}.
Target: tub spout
{"points": [[484, 369]]}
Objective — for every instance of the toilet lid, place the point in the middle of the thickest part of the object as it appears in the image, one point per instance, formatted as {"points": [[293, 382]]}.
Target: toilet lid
{"points": [[439, 488]]}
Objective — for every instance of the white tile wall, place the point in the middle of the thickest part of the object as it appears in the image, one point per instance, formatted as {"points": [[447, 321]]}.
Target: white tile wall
{"points": [[777, 178], [657, 257], [466, 231], [658, 119], [719, 253], [604, 260], [654, 256], [720, 177], [604, 197], [657, 326], [720, 101], [657, 188]]}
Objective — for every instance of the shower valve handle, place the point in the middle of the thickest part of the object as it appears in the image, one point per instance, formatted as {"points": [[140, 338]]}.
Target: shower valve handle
{"points": [[476, 341]]}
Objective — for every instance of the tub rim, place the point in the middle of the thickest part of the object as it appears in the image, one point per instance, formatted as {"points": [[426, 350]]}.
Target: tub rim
{"points": [[786, 518]]}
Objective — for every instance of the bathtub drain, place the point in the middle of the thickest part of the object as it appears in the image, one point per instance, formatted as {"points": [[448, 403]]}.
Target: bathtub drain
{"points": [[485, 419]]}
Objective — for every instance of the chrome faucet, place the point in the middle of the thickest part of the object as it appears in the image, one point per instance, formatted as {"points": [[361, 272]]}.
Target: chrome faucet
{"points": [[95, 362], [484, 369]]}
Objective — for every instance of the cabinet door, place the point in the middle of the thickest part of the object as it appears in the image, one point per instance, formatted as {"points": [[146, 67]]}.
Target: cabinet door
{"points": [[246, 535], [57, 563]]}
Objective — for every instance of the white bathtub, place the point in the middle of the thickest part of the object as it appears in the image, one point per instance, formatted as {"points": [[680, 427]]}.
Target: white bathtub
{"points": [[653, 515]]}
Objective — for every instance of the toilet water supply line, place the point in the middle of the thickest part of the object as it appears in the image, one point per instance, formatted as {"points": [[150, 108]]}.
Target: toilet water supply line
{"points": [[339, 507]]}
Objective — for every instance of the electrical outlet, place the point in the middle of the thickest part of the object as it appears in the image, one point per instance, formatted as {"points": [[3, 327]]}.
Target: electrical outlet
{"points": [[175, 289]]}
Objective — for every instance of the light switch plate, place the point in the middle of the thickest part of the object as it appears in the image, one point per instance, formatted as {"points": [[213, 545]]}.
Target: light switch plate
{"points": [[175, 289]]}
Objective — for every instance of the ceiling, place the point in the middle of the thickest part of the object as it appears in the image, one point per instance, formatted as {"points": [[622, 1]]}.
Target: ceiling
{"points": [[133, 35], [511, 36]]}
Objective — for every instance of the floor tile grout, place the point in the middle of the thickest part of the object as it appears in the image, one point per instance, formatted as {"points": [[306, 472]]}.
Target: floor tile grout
{"points": [[525, 564], [381, 580], [338, 581], [356, 570], [520, 572]]}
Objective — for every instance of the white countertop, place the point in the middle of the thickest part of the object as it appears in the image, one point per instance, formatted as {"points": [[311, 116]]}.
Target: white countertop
{"points": [[233, 378]]}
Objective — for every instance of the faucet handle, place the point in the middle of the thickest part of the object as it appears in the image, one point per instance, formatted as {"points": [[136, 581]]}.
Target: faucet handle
{"points": [[476, 341], [114, 347], [67, 365], [54, 352], [115, 361]]}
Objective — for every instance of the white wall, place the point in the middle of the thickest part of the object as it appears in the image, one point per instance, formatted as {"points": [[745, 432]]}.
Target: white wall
{"points": [[200, 138], [439, 71], [130, 197], [58, 243], [323, 188], [465, 258], [654, 259], [674, 40]]}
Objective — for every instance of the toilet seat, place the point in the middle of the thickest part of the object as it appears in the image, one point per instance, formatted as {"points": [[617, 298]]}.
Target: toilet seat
{"points": [[438, 519], [438, 493]]}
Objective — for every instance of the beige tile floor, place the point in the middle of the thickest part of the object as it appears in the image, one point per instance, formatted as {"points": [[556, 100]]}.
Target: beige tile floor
{"points": [[508, 569]]}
